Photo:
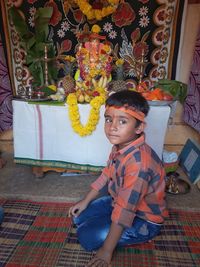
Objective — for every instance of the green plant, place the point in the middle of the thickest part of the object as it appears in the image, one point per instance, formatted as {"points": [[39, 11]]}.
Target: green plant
{"points": [[177, 89], [34, 44]]}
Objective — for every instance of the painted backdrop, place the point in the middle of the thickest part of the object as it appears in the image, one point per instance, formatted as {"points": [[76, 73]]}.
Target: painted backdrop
{"points": [[154, 22]]}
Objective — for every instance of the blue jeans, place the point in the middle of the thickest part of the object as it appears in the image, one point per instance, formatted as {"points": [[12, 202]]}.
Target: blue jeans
{"points": [[94, 222]]}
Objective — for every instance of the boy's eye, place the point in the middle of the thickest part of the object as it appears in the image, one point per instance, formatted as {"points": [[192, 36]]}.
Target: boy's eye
{"points": [[122, 121], [108, 120]]}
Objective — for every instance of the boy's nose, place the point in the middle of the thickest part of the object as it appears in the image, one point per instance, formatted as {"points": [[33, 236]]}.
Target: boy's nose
{"points": [[113, 126]]}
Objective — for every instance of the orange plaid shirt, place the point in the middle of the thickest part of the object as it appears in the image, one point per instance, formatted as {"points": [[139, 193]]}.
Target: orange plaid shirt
{"points": [[134, 177]]}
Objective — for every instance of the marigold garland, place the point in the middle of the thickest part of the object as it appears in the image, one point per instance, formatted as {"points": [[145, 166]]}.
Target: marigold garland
{"points": [[93, 119], [97, 14]]}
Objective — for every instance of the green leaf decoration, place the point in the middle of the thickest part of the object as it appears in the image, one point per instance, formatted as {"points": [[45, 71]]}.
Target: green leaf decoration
{"points": [[20, 24], [52, 71], [42, 18], [30, 43], [34, 44], [37, 73], [176, 88]]}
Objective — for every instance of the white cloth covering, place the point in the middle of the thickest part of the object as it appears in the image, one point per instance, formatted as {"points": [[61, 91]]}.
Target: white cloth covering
{"points": [[44, 133]]}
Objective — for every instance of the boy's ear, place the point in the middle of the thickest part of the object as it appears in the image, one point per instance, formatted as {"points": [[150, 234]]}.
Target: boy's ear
{"points": [[140, 128]]}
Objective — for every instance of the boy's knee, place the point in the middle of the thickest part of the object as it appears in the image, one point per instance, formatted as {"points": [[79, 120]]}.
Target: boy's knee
{"points": [[91, 239], [90, 244]]}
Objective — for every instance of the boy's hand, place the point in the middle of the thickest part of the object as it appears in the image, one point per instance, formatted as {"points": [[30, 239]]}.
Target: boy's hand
{"points": [[81, 205], [104, 254], [77, 208]]}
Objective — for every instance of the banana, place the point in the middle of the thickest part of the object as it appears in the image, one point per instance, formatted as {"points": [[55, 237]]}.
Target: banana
{"points": [[100, 82], [104, 82], [52, 87], [87, 98], [77, 75], [85, 87], [110, 78], [94, 82], [81, 98], [79, 84]]}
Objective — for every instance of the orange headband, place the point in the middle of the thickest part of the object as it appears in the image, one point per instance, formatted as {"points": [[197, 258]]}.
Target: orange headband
{"points": [[134, 113]]}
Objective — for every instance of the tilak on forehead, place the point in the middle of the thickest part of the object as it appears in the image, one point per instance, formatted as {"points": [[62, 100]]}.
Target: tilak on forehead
{"points": [[129, 110]]}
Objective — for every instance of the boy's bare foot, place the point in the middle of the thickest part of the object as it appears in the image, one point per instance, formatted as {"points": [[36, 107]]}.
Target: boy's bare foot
{"points": [[2, 162]]}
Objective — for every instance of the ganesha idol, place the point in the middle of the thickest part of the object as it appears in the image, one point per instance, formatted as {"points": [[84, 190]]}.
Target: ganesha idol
{"points": [[94, 63]]}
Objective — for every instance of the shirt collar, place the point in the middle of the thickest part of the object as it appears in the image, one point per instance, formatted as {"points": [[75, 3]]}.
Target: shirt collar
{"points": [[136, 143]]}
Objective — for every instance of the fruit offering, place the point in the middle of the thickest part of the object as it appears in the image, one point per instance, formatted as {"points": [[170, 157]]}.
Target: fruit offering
{"points": [[157, 94], [154, 94]]}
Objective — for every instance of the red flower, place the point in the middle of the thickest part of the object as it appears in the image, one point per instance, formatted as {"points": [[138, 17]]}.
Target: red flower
{"points": [[56, 16], [78, 15], [135, 35], [157, 55], [97, 5], [66, 45], [160, 36], [154, 73], [139, 49], [103, 52], [124, 15], [162, 16]]}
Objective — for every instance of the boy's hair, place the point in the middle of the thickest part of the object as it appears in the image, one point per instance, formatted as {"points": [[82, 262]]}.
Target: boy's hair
{"points": [[130, 98]]}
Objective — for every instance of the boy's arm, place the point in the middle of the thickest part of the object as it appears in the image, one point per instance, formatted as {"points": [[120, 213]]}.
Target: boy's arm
{"points": [[92, 194], [104, 254], [97, 188]]}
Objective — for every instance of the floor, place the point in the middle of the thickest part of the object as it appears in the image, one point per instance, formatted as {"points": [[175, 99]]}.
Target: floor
{"points": [[18, 181]]}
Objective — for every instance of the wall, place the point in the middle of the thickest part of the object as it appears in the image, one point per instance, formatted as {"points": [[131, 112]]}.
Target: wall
{"points": [[178, 132]]}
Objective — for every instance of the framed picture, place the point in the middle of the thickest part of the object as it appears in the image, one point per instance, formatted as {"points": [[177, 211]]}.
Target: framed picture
{"points": [[189, 160]]}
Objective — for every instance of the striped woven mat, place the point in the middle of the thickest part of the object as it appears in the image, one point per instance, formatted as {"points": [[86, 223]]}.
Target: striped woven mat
{"points": [[41, 234]]}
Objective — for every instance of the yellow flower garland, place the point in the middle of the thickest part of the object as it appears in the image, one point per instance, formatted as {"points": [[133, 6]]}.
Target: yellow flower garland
{"points": [[74, 115], [97, 14]]}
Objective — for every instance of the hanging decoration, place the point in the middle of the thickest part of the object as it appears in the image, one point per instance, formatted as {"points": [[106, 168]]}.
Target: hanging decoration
{"points": [[91, 79], [97, 12], [93, 119]]}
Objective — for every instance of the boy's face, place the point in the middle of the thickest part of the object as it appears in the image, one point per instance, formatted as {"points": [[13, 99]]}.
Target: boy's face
{"points": [[120, 127]]}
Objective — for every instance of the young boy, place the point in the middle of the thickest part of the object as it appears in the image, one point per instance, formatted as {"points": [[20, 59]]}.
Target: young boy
{"points": [[134, 208]]}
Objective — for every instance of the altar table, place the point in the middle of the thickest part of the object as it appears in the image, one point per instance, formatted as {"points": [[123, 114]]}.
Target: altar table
{"points": [[43, 136]]}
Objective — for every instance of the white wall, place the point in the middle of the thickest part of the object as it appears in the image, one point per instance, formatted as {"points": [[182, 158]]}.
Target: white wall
{"points": [[189, 35]]}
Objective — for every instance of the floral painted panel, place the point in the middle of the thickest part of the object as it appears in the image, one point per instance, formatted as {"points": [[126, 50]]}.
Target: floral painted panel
{"points": [[136, 27]]}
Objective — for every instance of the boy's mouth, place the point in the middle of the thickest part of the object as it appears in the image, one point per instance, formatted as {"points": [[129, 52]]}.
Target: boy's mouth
{"points": [[113, 136]]}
